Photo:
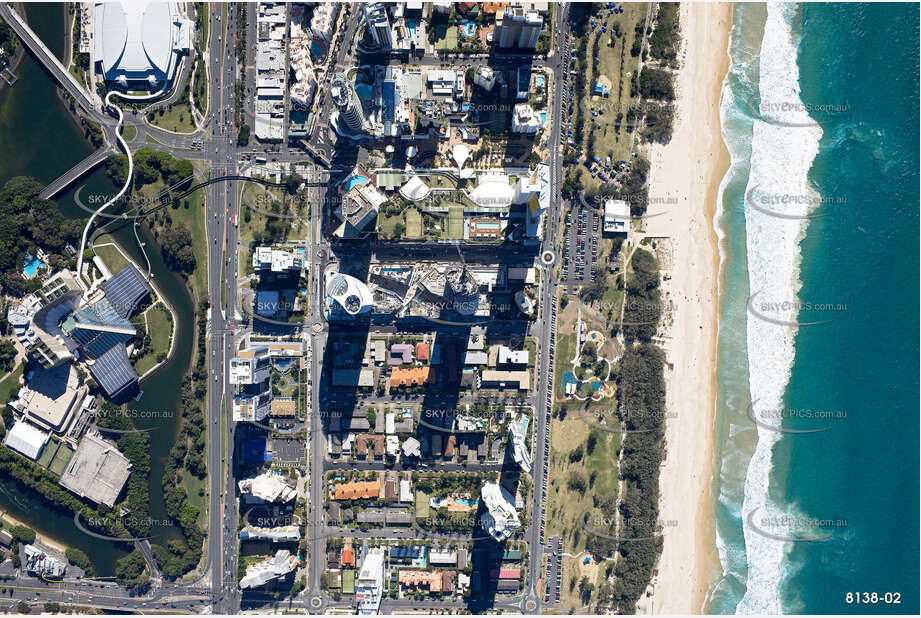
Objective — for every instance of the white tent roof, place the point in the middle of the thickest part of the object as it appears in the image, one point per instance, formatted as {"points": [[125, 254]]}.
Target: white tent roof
{"points": [[493, 190], [415, 189], [26, 439]]}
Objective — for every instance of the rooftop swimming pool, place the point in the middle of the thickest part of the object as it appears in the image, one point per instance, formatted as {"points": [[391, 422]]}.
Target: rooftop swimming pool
{"points": [[487, 225], [355, 180]]}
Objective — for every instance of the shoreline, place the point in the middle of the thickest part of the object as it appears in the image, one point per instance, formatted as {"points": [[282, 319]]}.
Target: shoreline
{"points": [[691, 168], [44, 539]]}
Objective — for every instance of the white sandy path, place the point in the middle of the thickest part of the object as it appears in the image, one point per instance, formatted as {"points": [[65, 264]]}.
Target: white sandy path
{"points": [[690, 169]]}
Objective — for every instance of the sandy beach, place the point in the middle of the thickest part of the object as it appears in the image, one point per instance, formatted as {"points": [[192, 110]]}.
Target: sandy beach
{"points": [[689, 170], [10, 521]]}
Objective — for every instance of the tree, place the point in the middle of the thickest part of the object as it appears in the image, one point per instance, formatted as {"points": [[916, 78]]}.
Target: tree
{"points": [[243, 135], [23, 534], [7, 355], [128, 569], [79, 559], [176, 243], [577, 481], [656, 84]]}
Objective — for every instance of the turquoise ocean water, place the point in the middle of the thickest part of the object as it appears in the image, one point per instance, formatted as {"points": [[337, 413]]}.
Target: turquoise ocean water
{"points": [[820, 115]]}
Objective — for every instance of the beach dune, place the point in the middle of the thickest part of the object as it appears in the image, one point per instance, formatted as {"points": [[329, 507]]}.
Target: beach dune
{"points": [[686, 174]]}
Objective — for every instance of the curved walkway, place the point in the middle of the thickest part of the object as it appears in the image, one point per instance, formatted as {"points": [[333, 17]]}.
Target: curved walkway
{"points": [[124, 145]]}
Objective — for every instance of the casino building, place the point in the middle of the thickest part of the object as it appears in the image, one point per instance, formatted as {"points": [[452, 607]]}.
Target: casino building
{"points": [[138, 45]]}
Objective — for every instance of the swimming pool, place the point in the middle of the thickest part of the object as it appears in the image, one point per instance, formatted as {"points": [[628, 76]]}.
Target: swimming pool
{"points": [[468, 29], [487, 225], [355, 180], [32, 265], [543, 117], [411, 27]]}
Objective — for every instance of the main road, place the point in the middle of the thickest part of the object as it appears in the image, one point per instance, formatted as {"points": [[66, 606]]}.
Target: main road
{"points": [[546, 328], [220, 151]]}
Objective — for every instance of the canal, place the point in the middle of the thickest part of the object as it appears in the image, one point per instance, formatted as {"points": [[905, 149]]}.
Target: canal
{"points": [[39, 138]]}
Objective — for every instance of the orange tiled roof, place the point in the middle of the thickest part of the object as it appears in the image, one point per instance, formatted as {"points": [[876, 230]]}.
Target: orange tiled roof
{"points": [[416, 376], [422, 351], [355, 490]]}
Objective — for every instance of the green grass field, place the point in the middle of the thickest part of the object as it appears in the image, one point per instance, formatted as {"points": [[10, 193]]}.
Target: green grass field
{"points": [[129, 132], [447, 39], [348, 581], [110, 254], [193, 485], [61, 459], [194, 218], [617, 65], [160, 329], [387, 225], [455, 221], [178, 119], [423, 507], [10, 384], [570, 508], [413, 223]]}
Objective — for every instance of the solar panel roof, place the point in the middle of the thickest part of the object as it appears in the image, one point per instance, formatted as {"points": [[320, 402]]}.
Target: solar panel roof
{"points": [[125, 290], [113, 371]]}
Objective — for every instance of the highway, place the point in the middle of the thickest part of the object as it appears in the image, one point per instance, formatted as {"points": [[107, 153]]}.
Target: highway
{"points": [[546, 330], [220, 151]]}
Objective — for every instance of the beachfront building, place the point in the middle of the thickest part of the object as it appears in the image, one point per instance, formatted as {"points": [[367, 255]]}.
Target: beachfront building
{"points": [[251, 405], [40, 563], [139, 45], [251, 366], [501, 518], [484, 77], [518, 27], [51, 397], [616, 218], [517, 438], [377, 24], [525, 120], [271, 74], [342, 92], [277, 261], [347, 296], [278, 534]]}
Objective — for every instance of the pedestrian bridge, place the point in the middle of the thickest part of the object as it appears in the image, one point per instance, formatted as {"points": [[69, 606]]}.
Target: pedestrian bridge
{"points": [[78, 170]]}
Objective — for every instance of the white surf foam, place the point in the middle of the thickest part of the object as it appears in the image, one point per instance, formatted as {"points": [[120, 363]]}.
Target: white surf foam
{"points": [[780, 161]]}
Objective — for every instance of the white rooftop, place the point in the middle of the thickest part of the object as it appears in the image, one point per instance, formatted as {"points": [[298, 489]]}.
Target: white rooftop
{"points": [[268, 487], [26, 439]]}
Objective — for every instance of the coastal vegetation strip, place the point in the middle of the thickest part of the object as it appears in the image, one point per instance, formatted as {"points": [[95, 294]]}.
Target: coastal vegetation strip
{"points": [[622, 421]]}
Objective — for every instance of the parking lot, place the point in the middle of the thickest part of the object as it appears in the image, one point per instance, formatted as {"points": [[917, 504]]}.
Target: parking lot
{"points": [[580, 251], [288, 450], [554, 572]]}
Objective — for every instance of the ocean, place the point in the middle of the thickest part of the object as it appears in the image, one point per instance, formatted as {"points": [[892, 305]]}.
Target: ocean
{"points": [[817, 412]]}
